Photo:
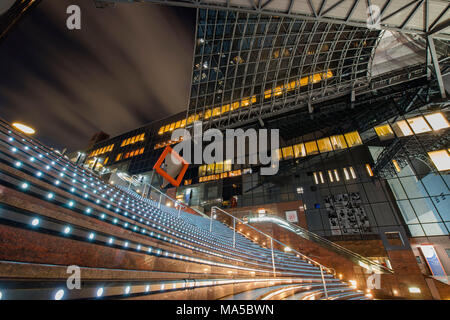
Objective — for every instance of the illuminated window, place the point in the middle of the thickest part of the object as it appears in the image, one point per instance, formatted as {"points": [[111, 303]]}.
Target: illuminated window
{"points": [[330, 175], [172, 126], [166, 128], [183, 124], [225, 108], [419, 125], [437, 121], [441, 159], [324, 145], [287, 153], [316, 180], [311, 147], [190, 119], [304, 81], [338, 142], [336, 175], [384, 132], [299, 150], [346, 175], [119, 156], [216, 111], [396, 166], [202, 170], [235, 105], [352, 172], [321, 177], [227, 165], [369, 170], [353, 139], [106, 160], [208, 114], [219, 167], [210, 168], [161, 130], [402, 129]]}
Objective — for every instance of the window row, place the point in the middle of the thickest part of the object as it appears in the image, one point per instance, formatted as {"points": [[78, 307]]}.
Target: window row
{"points": [[163, 144], [223, 175], [323, 145], [132, 140], [421, 124], [217, 111], [212, 168], [102, 150], [333, 175], [130, 154], [441, 159]]}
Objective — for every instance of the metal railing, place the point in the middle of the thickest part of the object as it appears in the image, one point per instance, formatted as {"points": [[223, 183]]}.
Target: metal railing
{"points": [[146, 193], [214, 210], [308, 235]]}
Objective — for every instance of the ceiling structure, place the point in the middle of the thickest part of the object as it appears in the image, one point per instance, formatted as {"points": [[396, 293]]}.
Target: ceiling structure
{"points": [[259, 59], [408, 16], [249, 66]]}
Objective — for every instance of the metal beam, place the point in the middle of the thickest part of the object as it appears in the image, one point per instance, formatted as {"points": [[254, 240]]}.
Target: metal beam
{"points": [[300, 9], [437, 69]]}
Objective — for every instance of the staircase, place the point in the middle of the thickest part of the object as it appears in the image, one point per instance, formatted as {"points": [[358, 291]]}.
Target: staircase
{"points": [[121, 245]]}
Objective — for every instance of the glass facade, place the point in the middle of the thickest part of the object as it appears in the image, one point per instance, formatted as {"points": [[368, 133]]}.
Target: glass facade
{"points": [[418, 174]]}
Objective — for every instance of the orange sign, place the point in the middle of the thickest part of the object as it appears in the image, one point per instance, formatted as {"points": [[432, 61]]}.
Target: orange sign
{"points": [[164, 174]]}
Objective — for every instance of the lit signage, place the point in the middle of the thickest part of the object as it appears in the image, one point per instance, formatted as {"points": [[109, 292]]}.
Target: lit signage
{"points": [[432, 260]]}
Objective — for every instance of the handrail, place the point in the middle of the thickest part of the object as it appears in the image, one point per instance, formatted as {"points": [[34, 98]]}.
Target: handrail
{"points": [[175, 201], [306, 234], [273, 239], [322, 267]]}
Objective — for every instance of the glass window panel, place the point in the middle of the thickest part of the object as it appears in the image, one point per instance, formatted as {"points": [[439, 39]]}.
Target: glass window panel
{"points": [[413, 187], [299, 150], [353, 173], [434, 185], [287, 153], [311, 147], [353, 139], [210, 168], [434, 229], [402, 129], [227, 166], [202, 170], [442, 204], [424, 210], [384, 132], [338, 142], [346, 175], [219, 167], [441, 159], [419, 125], [397, 189], [407, 211], [324, 145], [416, 230], [437, 121]]}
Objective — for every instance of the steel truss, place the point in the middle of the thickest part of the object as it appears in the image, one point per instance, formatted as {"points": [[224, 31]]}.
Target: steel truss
{"points": [[425, 17]]}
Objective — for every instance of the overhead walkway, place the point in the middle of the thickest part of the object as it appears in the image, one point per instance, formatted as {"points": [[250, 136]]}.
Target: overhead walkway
{"points": [[54, 214]]}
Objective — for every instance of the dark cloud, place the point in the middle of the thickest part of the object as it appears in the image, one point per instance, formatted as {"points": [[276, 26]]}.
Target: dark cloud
{"points": [[127, 66]]}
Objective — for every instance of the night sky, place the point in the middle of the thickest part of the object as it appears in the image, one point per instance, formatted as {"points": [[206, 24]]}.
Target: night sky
{"points": [[127, 66]]}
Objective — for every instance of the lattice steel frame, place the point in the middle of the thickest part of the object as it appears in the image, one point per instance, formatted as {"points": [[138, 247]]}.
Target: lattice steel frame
{"points": [[424, 17], [274, 51]]}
